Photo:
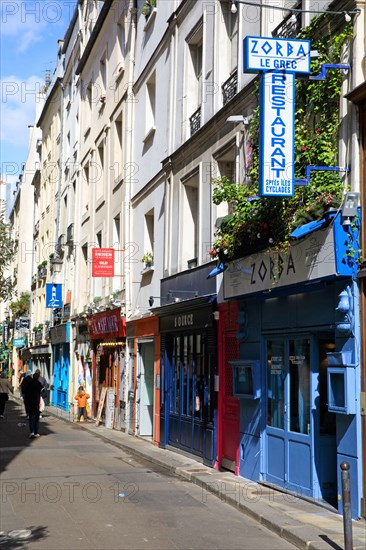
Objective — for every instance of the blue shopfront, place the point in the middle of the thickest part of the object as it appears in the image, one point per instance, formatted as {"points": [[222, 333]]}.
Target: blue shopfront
{"points": [[60, 340], [298, 372], [188, 369]]}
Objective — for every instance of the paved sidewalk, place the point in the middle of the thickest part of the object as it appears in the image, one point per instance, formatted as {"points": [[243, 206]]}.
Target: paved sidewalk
{"points": [[302, 523]]}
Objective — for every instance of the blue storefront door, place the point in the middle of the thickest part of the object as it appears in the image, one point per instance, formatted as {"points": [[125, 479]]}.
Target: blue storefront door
{"points": [[289, 460]]}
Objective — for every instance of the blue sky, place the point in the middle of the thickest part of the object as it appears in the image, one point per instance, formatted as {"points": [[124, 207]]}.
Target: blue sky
{"points": [[28, 47]]}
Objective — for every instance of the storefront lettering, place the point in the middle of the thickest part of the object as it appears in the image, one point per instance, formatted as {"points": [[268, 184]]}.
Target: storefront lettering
{"points": [[183, 320], [269, 268], [105, 325]]}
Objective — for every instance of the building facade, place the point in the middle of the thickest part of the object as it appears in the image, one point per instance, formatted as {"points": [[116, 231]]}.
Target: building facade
{"points": [[248, 369]]}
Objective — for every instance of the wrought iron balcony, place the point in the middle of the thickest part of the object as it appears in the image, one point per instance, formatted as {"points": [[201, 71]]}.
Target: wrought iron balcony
{"points": [[229, 88], [70, 234], [289, 28], [195, 121]]}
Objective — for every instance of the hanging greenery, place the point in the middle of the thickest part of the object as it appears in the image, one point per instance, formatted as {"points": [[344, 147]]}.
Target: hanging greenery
{"points": [[268, 221], [21, 306]]}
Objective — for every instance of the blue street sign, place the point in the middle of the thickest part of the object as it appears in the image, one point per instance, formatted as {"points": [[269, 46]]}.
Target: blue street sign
{"points": [[53, 295]]}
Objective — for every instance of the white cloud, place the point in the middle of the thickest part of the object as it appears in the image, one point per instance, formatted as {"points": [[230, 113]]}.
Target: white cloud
{"points": [[27, 20], [18, 102]]}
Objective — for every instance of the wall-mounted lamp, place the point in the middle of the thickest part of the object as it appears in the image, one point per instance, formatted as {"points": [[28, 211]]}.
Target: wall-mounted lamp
{"points": [[345, 307], [293, 19], [190, 293], [171, 296], [235, 119], [349, 207]]}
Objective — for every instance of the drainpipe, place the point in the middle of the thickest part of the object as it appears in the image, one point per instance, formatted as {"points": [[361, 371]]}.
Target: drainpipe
{"points": [[129, 154], [59, 183]]}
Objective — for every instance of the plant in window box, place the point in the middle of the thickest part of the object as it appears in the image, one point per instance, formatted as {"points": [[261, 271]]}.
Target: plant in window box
{"points": [[148, 7], [148, 259]]}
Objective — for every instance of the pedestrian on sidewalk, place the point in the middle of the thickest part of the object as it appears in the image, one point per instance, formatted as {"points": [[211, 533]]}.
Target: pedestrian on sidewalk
{"points": [[5, 389], [26, 379], [81, 397], [32, 400]]}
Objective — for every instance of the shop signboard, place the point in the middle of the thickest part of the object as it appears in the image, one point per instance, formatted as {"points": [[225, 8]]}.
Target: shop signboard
{"points": [[274, 54], [5, 333], [23, 323], [103, 262], [107, 324], [276, 176], [310, 259], [18, 342], [53, 295], [278, 60]]}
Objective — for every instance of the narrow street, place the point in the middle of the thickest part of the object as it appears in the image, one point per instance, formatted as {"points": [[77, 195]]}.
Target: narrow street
{"points": [[68, 489]]}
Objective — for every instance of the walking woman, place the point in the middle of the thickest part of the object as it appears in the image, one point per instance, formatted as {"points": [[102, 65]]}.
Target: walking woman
{"points": [[5, 389], [32, 398]]}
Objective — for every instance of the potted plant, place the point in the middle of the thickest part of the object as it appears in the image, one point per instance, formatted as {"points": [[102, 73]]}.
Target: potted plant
{"points": [[148, 7], [147, 259]]}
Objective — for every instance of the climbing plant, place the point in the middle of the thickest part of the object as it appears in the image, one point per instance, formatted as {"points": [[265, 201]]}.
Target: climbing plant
{"points": [[268, 221]]}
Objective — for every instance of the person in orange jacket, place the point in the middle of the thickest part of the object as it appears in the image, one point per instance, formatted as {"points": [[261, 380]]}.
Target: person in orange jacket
{"points": [[81, 398]]}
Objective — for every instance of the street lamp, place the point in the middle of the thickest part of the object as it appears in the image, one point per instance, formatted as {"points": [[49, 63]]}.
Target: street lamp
{"points": [[238, 118], [349, 207]]}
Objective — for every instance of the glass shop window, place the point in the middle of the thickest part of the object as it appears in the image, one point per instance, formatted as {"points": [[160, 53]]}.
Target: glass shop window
{"points": [[327, 420], [276, 383], [299, 371]]}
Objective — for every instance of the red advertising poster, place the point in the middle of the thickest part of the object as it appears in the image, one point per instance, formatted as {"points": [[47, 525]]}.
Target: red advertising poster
{"points": [[102, 262]]}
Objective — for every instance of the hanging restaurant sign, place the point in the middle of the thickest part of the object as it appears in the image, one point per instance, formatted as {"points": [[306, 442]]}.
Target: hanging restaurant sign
{"points": [[271, 54], [278, 60]]}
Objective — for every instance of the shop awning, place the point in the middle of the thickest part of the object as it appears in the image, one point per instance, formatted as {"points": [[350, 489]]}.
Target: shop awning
{"points": [[220, 268], [308, 228]]}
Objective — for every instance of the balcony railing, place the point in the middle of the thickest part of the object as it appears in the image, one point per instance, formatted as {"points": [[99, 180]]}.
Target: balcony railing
{"points": [[60, 243], [70, 234], [230, 88], [42, 272], [195, 121], [289, 28]]}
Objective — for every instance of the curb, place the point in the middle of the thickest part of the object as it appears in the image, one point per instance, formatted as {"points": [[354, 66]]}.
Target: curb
{"points": [[304, 536]]}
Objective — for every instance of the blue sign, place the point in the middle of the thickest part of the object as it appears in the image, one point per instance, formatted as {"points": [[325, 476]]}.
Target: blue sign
{"points": [[278, 59], [18, 342], [53, 295], [270, 54], [276, 166]]}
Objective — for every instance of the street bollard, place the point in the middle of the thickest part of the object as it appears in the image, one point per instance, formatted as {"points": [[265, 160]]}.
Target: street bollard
{"points": [[346, 501]]}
